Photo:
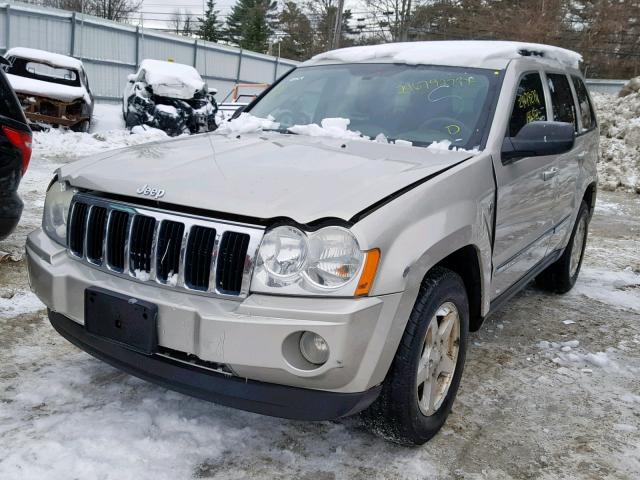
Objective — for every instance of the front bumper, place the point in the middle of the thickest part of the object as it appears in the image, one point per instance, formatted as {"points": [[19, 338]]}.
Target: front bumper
{"points": [[250, 337], [258, 397]]}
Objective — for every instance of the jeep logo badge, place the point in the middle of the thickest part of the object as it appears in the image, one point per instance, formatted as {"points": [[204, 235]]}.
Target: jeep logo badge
{"points": [[150, 191]]}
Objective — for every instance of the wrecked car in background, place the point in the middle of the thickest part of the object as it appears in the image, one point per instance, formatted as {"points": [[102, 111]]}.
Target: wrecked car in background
{"points": [[53, 89], [242, 94], [170, 96]]}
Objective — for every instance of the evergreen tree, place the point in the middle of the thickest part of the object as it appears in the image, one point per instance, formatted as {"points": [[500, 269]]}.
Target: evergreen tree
{"points": [[251, 23], [210, 27], [297, 42]]}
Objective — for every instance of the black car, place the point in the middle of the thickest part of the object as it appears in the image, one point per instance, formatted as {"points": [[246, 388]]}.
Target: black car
{"points": [[15, 153]]}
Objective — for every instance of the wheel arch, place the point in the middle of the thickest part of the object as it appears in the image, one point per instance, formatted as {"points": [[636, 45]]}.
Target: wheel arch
{"points": [[589, 196], [463, 258], [466, 262]]}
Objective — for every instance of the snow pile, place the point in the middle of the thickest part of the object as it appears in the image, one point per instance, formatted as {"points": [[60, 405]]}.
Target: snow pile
{"points": [[14, 303], [53, 59], [619, 163], [630, 87], [170, 79], [329, 127], [31, 86], [620, 289], [454, 53], [247, 123], [565, 354], [445, 145], [67, 145], [141, 275], [168, 109]]}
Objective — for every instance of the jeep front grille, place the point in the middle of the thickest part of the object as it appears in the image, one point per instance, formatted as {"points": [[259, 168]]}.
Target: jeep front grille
{"points": [[174, 250]]}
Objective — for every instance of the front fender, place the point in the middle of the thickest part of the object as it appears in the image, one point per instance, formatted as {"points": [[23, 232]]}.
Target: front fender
{"points": [[419, 229]]}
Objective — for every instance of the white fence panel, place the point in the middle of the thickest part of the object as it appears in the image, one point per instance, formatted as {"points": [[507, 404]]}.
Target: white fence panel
{"points": [[217, 62], [167, 48], [29, 29], [110, 51], [94, 40], [257, 68]]}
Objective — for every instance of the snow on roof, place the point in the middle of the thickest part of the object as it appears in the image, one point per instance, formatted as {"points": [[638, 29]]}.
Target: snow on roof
{"points": [[31, 86], [468, 53], [54, 59], [172, 79]]}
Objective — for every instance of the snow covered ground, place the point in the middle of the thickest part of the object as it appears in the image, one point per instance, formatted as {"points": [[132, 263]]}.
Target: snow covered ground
{"points": [[551, 388]]}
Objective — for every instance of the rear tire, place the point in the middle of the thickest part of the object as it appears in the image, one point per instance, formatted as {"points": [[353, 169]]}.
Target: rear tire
{"points": [[82, 127], [561, 276], [410, 412]]}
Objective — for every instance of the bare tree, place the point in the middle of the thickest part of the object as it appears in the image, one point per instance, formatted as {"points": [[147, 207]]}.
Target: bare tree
{"points": [[391, 19], [117, 10], [188, 25], [175, 24]]}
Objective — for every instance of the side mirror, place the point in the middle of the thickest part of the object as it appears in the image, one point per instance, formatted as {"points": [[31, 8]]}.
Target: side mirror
{"points": [[537, 139]]}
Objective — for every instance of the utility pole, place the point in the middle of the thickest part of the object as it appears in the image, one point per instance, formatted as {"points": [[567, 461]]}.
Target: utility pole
{"points": [[337, 31]]}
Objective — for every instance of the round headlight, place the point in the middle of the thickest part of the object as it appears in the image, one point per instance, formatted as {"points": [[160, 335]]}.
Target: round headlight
{"points": [[56, 211], [334, 257], [284, 252]]}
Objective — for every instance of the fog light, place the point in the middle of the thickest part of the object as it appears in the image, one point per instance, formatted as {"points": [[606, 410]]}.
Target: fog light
{"points": [[314, 348]]}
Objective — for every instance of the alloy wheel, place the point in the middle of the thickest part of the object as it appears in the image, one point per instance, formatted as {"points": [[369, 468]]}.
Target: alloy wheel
{"points": [[438, 359]]}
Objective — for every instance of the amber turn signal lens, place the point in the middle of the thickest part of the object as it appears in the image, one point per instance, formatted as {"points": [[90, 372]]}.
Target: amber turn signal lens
{"points": [[368, 272]]}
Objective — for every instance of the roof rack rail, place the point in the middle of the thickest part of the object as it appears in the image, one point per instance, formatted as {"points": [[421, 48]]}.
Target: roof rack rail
{"points": [[531, 53]]}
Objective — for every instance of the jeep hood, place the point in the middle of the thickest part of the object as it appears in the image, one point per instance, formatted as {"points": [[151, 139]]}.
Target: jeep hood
{"points": [[263, 175]]}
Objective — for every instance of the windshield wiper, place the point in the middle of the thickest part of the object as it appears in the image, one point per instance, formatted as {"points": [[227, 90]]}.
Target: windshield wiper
{"points": [[279, 130]]}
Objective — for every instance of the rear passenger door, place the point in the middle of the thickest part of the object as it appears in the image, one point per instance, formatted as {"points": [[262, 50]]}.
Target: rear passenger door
{"points": [[526, 194], [563, 109]]}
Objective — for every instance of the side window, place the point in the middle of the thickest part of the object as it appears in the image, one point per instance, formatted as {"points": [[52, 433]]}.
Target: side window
{"points": [[584, 104], [529, 105], [561, 99]]}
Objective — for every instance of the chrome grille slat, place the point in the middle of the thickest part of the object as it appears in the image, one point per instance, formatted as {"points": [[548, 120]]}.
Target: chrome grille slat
{"points": [[127, 245], [126, 235], [153, 274]]}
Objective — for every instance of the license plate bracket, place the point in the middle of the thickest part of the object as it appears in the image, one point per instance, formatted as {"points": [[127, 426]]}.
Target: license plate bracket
{"points": [[123, 319]]}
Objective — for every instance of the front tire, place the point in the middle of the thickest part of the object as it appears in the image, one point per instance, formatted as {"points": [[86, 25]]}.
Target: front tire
{"points": [[561, 276], [422, 383]]}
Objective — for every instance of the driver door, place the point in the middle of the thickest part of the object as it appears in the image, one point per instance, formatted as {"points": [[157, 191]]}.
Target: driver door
{"points": [[526, 194]]}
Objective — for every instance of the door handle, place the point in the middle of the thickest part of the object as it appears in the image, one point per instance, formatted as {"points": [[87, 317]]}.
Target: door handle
{"points": [[549, 174]]}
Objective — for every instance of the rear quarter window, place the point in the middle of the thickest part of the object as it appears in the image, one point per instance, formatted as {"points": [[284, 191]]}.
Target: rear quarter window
{"points": [[585, 109], [562, 99]]}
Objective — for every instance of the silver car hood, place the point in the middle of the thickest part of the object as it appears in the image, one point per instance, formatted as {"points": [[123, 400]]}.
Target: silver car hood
{"points": [[263, 175]]}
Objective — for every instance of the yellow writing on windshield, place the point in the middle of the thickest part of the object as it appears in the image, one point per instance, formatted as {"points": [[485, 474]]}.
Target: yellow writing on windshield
{"points": [[453, 129], [430, 84]]}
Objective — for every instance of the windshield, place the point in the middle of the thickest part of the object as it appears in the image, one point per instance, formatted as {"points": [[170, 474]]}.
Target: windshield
{"points": [[421, 104]]}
